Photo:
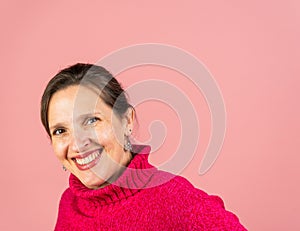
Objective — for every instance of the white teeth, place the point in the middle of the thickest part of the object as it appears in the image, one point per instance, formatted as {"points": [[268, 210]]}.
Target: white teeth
{"points": [[88, 159]]}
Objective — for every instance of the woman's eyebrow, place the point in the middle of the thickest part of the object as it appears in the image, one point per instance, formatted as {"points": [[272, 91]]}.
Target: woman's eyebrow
{"points": [[84, 116], [80, 117], [57, 125], [91, 114]]}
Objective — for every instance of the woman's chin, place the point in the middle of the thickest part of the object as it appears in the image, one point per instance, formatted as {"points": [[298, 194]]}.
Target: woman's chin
{"points": [[93, 182]]}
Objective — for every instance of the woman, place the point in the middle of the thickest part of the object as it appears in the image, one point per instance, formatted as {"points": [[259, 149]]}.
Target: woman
{"points": [[112, 186]]}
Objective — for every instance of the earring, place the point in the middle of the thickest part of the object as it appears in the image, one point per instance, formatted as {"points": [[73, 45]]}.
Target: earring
{"points": [[127, 145], [64, 168], [129, 131]]}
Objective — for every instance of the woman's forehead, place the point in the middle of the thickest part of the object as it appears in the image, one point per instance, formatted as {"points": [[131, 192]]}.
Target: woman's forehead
{"points": [[77, 100]]}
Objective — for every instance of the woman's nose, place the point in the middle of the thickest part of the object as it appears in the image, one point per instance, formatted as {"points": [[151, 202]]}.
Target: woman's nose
{"points": [[80, 141]]}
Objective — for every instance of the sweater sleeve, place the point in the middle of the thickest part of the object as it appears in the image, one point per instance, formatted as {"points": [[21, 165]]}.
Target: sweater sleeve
{"points": [[209, 213]]}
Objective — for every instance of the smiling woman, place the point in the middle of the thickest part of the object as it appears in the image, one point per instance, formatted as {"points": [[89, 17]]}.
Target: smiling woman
{"points": [[112, 185]]}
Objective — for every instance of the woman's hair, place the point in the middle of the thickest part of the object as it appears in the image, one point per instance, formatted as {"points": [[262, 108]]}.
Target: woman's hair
{"points": [[97, 77]]}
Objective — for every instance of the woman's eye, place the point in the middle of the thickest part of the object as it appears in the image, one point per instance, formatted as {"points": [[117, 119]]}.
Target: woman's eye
{"points": [[58, 131], [92, 120]]}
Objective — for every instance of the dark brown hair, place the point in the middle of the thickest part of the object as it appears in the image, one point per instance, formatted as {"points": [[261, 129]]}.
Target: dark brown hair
{"points": [[91, 75]]}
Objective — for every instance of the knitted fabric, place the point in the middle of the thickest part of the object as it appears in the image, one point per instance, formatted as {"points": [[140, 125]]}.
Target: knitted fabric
{"points": [[143, 198]]}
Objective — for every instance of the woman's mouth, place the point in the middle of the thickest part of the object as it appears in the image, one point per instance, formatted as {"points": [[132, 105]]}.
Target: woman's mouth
{"points": [[88, 160]]}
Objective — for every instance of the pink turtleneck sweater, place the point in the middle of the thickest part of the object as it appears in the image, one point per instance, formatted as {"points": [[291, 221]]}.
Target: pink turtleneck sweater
{"points": [[143, 198]]}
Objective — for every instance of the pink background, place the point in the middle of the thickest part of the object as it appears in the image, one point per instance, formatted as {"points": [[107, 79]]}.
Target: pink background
{"points": [[252, 50]]}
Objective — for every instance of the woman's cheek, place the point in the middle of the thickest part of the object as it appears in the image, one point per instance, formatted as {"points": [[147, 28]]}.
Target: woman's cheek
{"points": [[59, 150], [107, 138]]}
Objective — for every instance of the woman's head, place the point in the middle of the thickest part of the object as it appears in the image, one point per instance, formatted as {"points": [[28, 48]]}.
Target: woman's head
{"points": [[89, 120], [93, 76]]}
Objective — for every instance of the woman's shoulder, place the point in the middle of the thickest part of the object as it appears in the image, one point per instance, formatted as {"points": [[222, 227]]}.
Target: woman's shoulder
{"points": [[197, 209], [176, 184], [182, 184], [66, 197]]}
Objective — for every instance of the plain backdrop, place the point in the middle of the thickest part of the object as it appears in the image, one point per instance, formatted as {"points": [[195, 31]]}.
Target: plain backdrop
{"points": [[250, 47]]}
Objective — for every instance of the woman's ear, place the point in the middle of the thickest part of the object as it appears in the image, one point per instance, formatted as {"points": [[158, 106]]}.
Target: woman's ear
{"points": [[129, 120]]}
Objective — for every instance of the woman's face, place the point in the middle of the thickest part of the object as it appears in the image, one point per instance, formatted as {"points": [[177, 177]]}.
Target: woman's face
{"points": [[87, 137]]}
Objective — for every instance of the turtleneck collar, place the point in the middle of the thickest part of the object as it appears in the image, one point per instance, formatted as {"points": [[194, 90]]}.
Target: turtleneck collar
{"points": [[136, 177]]}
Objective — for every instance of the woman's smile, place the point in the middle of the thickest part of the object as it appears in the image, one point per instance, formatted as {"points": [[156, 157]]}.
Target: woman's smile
{"points": [[88, 160]]}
